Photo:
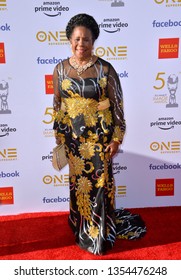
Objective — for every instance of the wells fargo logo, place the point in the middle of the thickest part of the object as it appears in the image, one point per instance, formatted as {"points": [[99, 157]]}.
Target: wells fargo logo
{"points": [[165, 147], [120, 191], [112, 53], [168, 48], [164, 187], [49, 84], [52, 38], [169, 3], [58, 181], [6, 195], [2, 53], [8, 154]]}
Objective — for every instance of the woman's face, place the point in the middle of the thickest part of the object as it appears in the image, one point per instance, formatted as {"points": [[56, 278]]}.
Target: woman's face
{"points": [[82, 42]]}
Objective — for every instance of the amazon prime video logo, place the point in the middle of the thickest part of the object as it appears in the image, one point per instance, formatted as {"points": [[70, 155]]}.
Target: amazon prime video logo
{"points": [[112, 25], [51, 9], [166, 123], [5, 130]]}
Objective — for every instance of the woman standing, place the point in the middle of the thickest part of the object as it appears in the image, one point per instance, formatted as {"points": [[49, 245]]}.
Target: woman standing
{"points": [[89, 120]]}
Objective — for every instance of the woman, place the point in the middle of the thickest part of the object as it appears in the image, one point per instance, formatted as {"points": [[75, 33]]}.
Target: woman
{"points": [[89, 120]]}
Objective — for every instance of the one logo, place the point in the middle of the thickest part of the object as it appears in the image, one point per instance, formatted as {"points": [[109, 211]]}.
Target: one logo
{"points": [[5, 130], [6, 195], [120, 191], [172, 85], [4, 92], [8, 154], [169, 3], [51, 9], [164, 187], [3, 5], [58, 181], [112, 25], [117, 3], [165, 123], [168, 48], [49, 84], [112, 53], [52, 38], [163, 147], [2, 53]]}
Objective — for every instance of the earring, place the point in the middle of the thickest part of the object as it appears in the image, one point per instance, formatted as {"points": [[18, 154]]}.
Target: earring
{"points": [[92, 51]]}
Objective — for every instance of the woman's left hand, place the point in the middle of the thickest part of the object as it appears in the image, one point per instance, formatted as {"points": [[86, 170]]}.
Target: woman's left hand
{"points": [[112, 148]]}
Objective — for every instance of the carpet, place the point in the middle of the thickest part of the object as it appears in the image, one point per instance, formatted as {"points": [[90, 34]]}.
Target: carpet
{"points": [[47, 236]]}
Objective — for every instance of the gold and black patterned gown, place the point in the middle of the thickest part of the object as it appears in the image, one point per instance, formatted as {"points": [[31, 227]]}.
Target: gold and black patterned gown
{"points": [[88, 115]]}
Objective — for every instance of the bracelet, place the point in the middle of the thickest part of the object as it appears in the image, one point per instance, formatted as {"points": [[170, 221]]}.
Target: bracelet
{"points": [[117, 140]]}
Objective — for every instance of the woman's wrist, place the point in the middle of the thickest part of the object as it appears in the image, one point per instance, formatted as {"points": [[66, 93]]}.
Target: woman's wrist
{"points": [[117, 140]]}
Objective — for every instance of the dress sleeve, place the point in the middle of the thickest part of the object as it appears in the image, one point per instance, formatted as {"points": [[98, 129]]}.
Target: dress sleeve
{"points": [[115, 95], [56, 96]]}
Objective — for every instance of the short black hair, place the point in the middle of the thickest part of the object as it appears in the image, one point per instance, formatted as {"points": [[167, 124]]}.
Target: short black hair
{"points": [[83, 20]]}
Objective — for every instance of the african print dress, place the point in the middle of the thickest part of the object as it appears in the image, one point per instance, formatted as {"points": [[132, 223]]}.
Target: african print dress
{"points": [[88, 115]]}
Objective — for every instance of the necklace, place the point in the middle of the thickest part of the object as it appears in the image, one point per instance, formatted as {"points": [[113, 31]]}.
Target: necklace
{"points": [[80, 69]]}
